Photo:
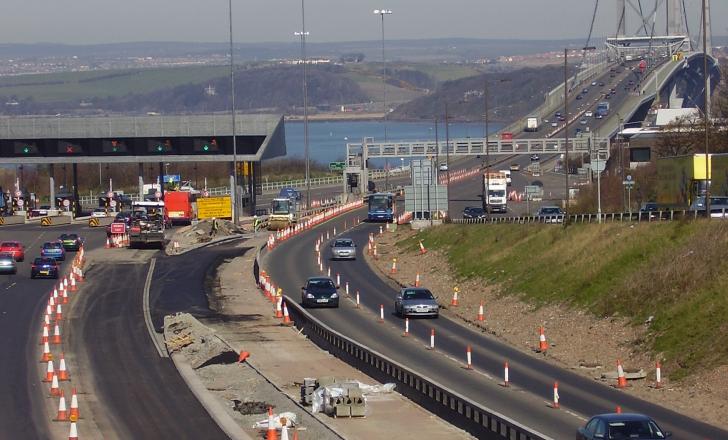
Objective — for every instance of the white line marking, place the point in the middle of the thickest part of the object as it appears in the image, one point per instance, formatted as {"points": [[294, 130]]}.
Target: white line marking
{"points": [[7, 288], [147, 315]]}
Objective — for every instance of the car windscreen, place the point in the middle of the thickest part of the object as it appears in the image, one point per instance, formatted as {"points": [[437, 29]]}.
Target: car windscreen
{"points": [[550, 211], [43, 262], [52, 246], [321, 286], [344, 243], [633, 429], [9, 244], [417, 294]]}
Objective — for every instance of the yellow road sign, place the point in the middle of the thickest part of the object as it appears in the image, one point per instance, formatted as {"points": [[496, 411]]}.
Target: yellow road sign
{"points": [[217, 207]]}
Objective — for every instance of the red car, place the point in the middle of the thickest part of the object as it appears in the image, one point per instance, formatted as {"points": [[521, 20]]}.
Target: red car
{"points": [[15, 248]]}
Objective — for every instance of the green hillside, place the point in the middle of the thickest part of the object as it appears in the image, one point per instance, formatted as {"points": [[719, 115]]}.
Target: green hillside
{"points": [[675, 272]]}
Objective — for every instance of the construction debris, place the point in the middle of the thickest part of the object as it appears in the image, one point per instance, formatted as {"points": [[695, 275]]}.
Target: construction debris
{"points": [[339, 398], [201, 346]]}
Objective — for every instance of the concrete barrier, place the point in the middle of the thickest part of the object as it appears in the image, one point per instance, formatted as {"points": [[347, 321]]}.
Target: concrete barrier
{"points": [[12, 220], [57, 220], [94, 222]]}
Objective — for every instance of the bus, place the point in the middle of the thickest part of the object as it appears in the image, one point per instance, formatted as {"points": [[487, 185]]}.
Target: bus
{"points": [[381, 207]]}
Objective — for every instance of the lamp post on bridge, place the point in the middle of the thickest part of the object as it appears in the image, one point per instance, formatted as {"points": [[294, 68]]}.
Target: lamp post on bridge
{"points": [[382, 13]]}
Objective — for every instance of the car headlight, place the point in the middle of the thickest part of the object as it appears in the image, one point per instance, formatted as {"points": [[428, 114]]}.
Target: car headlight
{"points": [[308, 295], [334, 295]]}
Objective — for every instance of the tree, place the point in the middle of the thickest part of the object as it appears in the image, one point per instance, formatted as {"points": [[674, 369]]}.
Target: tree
{"points": [[679, 137]]}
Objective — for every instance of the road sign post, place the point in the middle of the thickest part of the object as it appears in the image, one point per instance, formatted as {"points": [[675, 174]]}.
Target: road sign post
{"points": [[629, 184]]}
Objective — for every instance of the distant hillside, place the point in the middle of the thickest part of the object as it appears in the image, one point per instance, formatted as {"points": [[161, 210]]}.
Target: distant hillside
{"points": [[512, 94]]}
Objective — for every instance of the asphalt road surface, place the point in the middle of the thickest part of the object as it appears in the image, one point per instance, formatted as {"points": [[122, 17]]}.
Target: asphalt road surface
{"points": [[533, 377], [22, 300]]}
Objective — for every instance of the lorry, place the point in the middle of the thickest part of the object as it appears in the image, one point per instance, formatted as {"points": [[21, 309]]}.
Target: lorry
{"points": [[284, 212], [495, 187], [532, 123], [147, 224], [178, 205], [602, 109], [681, 179]]}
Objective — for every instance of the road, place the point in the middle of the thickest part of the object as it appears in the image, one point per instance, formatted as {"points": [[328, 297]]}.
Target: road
{"points": [[22, 404], [534, 377]]}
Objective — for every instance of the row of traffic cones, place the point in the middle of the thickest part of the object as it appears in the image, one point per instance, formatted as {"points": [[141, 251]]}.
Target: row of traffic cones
{"points": [[117, 241], [54, 318]]}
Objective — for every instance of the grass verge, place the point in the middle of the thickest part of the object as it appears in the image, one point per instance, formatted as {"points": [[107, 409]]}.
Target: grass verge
{"points": [[676, 273]]}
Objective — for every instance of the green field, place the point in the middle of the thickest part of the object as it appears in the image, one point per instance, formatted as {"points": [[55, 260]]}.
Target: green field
{"points": [[675, 272], [86, 85]]}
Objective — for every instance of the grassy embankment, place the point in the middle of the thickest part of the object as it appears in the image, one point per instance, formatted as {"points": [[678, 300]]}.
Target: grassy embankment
{"points": [[676, 272]]}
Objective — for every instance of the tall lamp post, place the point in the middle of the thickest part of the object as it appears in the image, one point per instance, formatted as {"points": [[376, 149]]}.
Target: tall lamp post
{"points": [[706, 103], [382, 13], [566, 137], [487, 149], [303, 34], [236, 214]]}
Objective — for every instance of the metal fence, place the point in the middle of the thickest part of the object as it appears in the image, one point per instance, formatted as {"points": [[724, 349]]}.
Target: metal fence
{"points": [[639, 217], [331, 180]]}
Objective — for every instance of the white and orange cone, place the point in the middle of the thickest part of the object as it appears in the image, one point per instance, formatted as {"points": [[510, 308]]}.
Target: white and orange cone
{"points": [[658, 375], [44, 336], [432, 340], [55, 390], [62, 371], [555, 404], [381, 313], [469, 356], [64, 297], [56, 339], [73, 432], [454, 302], [357, 299], [286, 316], [272, 434], [506, 379], [621, 379], [422, 248], [279, 308], [481, 314], [74, 413], [62, 414], [417, 280], [394, 266], [406, 327], [59, 313], [50, 371], [73, 285], [47, 355], [542, 344]]}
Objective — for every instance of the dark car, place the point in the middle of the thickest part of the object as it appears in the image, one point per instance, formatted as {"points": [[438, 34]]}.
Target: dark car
{"points": [[44, 267], [71, 242], [550, 214], [319, 292], [290, 193], [473, 212], [579, 97], [535, 158], [53, 249], [7, 263], [621, 426]]}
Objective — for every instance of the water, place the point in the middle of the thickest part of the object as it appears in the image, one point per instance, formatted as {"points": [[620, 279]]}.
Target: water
{"points": [[327, 140]]}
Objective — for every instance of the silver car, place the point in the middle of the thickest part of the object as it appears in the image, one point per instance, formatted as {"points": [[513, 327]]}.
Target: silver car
{"points": [[416, 301], [343, 249], [7, 263]]}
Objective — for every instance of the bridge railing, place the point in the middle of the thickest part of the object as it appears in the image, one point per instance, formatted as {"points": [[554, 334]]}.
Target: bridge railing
{"points": [[329, 180], [613, 217]]}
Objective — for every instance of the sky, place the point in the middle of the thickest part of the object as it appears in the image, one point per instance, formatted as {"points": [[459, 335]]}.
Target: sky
{"points": [[254, 21]]}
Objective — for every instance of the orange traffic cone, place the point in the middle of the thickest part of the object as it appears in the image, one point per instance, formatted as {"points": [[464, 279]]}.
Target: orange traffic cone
{"points": [[621, 379], [62, 371], [272, 433], [73, 284], [542, 344], [454, 301], [108, 244], [481, 315], [56, 339], [417, 280], [74, 414], [658, 375], [49, 372], [381, 313], [422, 248], [394, 266], [555, 404], [64, 297], [376, 256], [62, 415], [432, 340], [55, 390], [406, 327], [44, 336], [279, 308], [469, 355], [506, 379], [286, 316], [73, 432], [47, 356]]}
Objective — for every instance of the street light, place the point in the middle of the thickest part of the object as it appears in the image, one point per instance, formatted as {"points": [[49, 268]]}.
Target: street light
{"points": [[232, 117], [706, 103], [303, 34], [382, 13], [566, 136]]}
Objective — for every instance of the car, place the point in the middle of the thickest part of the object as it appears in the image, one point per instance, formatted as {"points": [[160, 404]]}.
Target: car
{"points": [[7, 263], [621, 426], [44, 267], [71, 242], [561, 118], [594, 83], [550, 214], [718, 206], [515, 167], [583, 121], [578, 97], [473, 212], [319, 292], [416, 301], [588, 114], [557, 114], [290, 193], [15, 248], [40, 211], [585, 91], [601, 84], [554, 124], [577, 132], [99, 212], [443, 166], [53, 249], [343, 249], [535, 158], [598, 116]]}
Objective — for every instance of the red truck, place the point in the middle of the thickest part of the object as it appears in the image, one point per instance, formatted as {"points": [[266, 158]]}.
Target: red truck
{"points": [[178, 206]]}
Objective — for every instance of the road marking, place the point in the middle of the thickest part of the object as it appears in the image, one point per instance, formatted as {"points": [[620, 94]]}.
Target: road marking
{"points": [[147, 315], [8, 288]]}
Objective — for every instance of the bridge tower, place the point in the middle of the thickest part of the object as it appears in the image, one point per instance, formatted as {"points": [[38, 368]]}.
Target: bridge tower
{"points": [[621, 18], [675, 18]]}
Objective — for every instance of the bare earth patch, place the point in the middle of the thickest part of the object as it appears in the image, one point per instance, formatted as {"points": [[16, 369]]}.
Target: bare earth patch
{"points": [[579, 341]]}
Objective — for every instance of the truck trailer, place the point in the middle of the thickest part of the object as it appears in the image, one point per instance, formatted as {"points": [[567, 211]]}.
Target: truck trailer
{"points": [[532, 123], [495, 188], [681, 179]]}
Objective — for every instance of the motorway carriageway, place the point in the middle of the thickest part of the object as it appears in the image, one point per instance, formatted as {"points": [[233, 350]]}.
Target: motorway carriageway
{"points": [[526, 401]]}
